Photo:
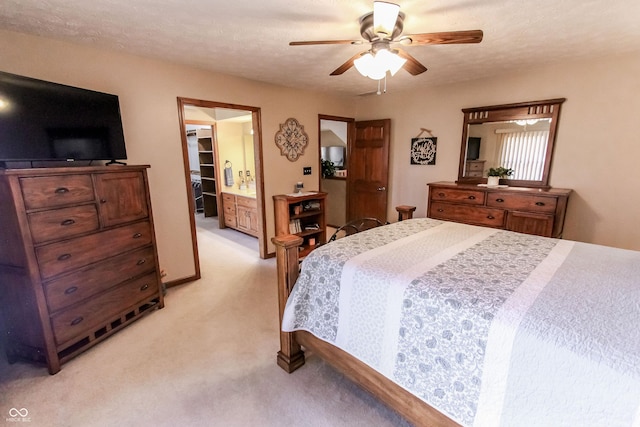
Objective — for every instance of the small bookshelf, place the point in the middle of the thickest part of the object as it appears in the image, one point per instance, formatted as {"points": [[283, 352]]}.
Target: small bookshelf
{"points": [[302, 215]]}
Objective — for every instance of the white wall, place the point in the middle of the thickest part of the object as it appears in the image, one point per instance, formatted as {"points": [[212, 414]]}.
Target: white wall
{"points": [[148, 91], [597, 148], [596, 153]]}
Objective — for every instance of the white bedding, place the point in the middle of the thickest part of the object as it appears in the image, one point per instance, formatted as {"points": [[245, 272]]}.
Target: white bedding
{"points": [[487, 326]]}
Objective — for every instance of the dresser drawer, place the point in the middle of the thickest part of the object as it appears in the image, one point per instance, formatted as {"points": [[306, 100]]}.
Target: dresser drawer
{"points": [[248, 202], [59, 190], [230, 220], [81, 319], [229, 208], [475, 167], [88, 281], [522, 202], [59, 257], [62, 223], [468, 214], [530, 223], [471, 197], [228, 203]]}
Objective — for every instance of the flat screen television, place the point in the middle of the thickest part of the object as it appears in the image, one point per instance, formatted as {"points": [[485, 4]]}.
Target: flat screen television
{"points": [[473, 148], [45, 121]]}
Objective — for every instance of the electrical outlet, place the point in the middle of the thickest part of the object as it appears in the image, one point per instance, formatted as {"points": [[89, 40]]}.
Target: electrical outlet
{"points": [[306, 170]]}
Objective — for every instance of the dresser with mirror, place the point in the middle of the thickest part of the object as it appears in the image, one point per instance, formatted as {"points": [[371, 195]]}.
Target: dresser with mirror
{"points": [[519, 137]]}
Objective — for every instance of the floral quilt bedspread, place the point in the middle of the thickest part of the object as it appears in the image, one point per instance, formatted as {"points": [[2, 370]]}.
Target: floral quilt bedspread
{"points": [[490, 327]]}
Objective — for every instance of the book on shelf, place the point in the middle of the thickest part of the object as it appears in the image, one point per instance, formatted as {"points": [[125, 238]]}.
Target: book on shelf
{"points": [[294, 226]]}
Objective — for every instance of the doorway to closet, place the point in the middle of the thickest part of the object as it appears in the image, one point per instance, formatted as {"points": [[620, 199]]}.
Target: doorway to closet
{"points": [[221, 141]]}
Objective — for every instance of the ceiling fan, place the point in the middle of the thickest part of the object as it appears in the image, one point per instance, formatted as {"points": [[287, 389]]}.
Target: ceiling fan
{"points": [[382, 28]]}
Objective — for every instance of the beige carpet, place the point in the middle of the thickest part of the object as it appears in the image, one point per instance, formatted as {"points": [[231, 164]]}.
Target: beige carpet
{"points": [[207, 359]]}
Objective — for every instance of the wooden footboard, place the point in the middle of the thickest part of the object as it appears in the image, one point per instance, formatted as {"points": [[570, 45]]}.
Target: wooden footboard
{"points": [[291, 357]]}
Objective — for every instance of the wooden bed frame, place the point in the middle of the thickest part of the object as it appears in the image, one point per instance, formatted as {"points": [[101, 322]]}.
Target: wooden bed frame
{"points": [[291, 356]]}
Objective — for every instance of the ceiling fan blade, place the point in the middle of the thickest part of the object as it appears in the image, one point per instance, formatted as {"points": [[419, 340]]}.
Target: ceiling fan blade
{"points": [[344, 67], [315, 42], [447, 37], [412, 65]]}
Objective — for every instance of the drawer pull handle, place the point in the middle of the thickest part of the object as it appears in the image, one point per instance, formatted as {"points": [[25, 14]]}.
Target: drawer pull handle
{"points": [[491, 217], [137, 236], [64, 257], [539, 203], [103, 200], [77, 320], [141, 261], [68, 222], [144, 287], [440, 210], [441, 194], [61, 190], [70, 290], [499, 200], [472, 197]]}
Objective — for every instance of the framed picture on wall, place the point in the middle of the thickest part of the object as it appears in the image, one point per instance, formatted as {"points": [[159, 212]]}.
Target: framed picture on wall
{"points": [[423, 151]]}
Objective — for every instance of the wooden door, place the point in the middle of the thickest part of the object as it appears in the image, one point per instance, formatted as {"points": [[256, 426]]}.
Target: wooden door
{"points": [[121, 197], [368, 173]]}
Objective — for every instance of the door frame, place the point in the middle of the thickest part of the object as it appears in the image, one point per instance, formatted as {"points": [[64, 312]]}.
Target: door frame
{"points": [[350, 135], [259, 173]]}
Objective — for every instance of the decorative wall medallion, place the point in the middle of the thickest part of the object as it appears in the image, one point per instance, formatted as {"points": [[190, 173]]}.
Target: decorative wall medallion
{"points": [[292, 139], [423, 151]]}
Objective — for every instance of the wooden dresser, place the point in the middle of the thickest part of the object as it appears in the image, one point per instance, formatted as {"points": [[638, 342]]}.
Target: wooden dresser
{"points": [[78, 259], [525, 210]]}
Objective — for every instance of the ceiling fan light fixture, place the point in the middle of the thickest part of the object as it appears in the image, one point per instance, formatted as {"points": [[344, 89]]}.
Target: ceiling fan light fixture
{"points": [[383, 27], [376, 66], [369, 66], [390, 61], [364, 64], [385, 15]]}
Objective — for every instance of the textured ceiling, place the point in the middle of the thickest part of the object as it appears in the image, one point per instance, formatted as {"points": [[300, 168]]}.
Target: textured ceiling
{"points": [[249, 38]]}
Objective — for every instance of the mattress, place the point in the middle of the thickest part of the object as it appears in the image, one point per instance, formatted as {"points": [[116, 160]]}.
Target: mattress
{"points": [[490, 327]]}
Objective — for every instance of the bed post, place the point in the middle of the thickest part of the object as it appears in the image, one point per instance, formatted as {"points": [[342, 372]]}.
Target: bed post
{"points": [[405, 212], [290, 356]]}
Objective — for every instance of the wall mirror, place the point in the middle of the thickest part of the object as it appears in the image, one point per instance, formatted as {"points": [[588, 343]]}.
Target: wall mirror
{"points": [[515, 136]]}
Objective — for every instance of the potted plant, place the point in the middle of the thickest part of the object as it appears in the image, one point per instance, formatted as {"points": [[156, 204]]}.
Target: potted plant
{"points": [[495, 174], [328, 168]]}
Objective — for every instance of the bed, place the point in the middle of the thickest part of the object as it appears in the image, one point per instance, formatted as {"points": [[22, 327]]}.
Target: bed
{"points": [[452, 324]]}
